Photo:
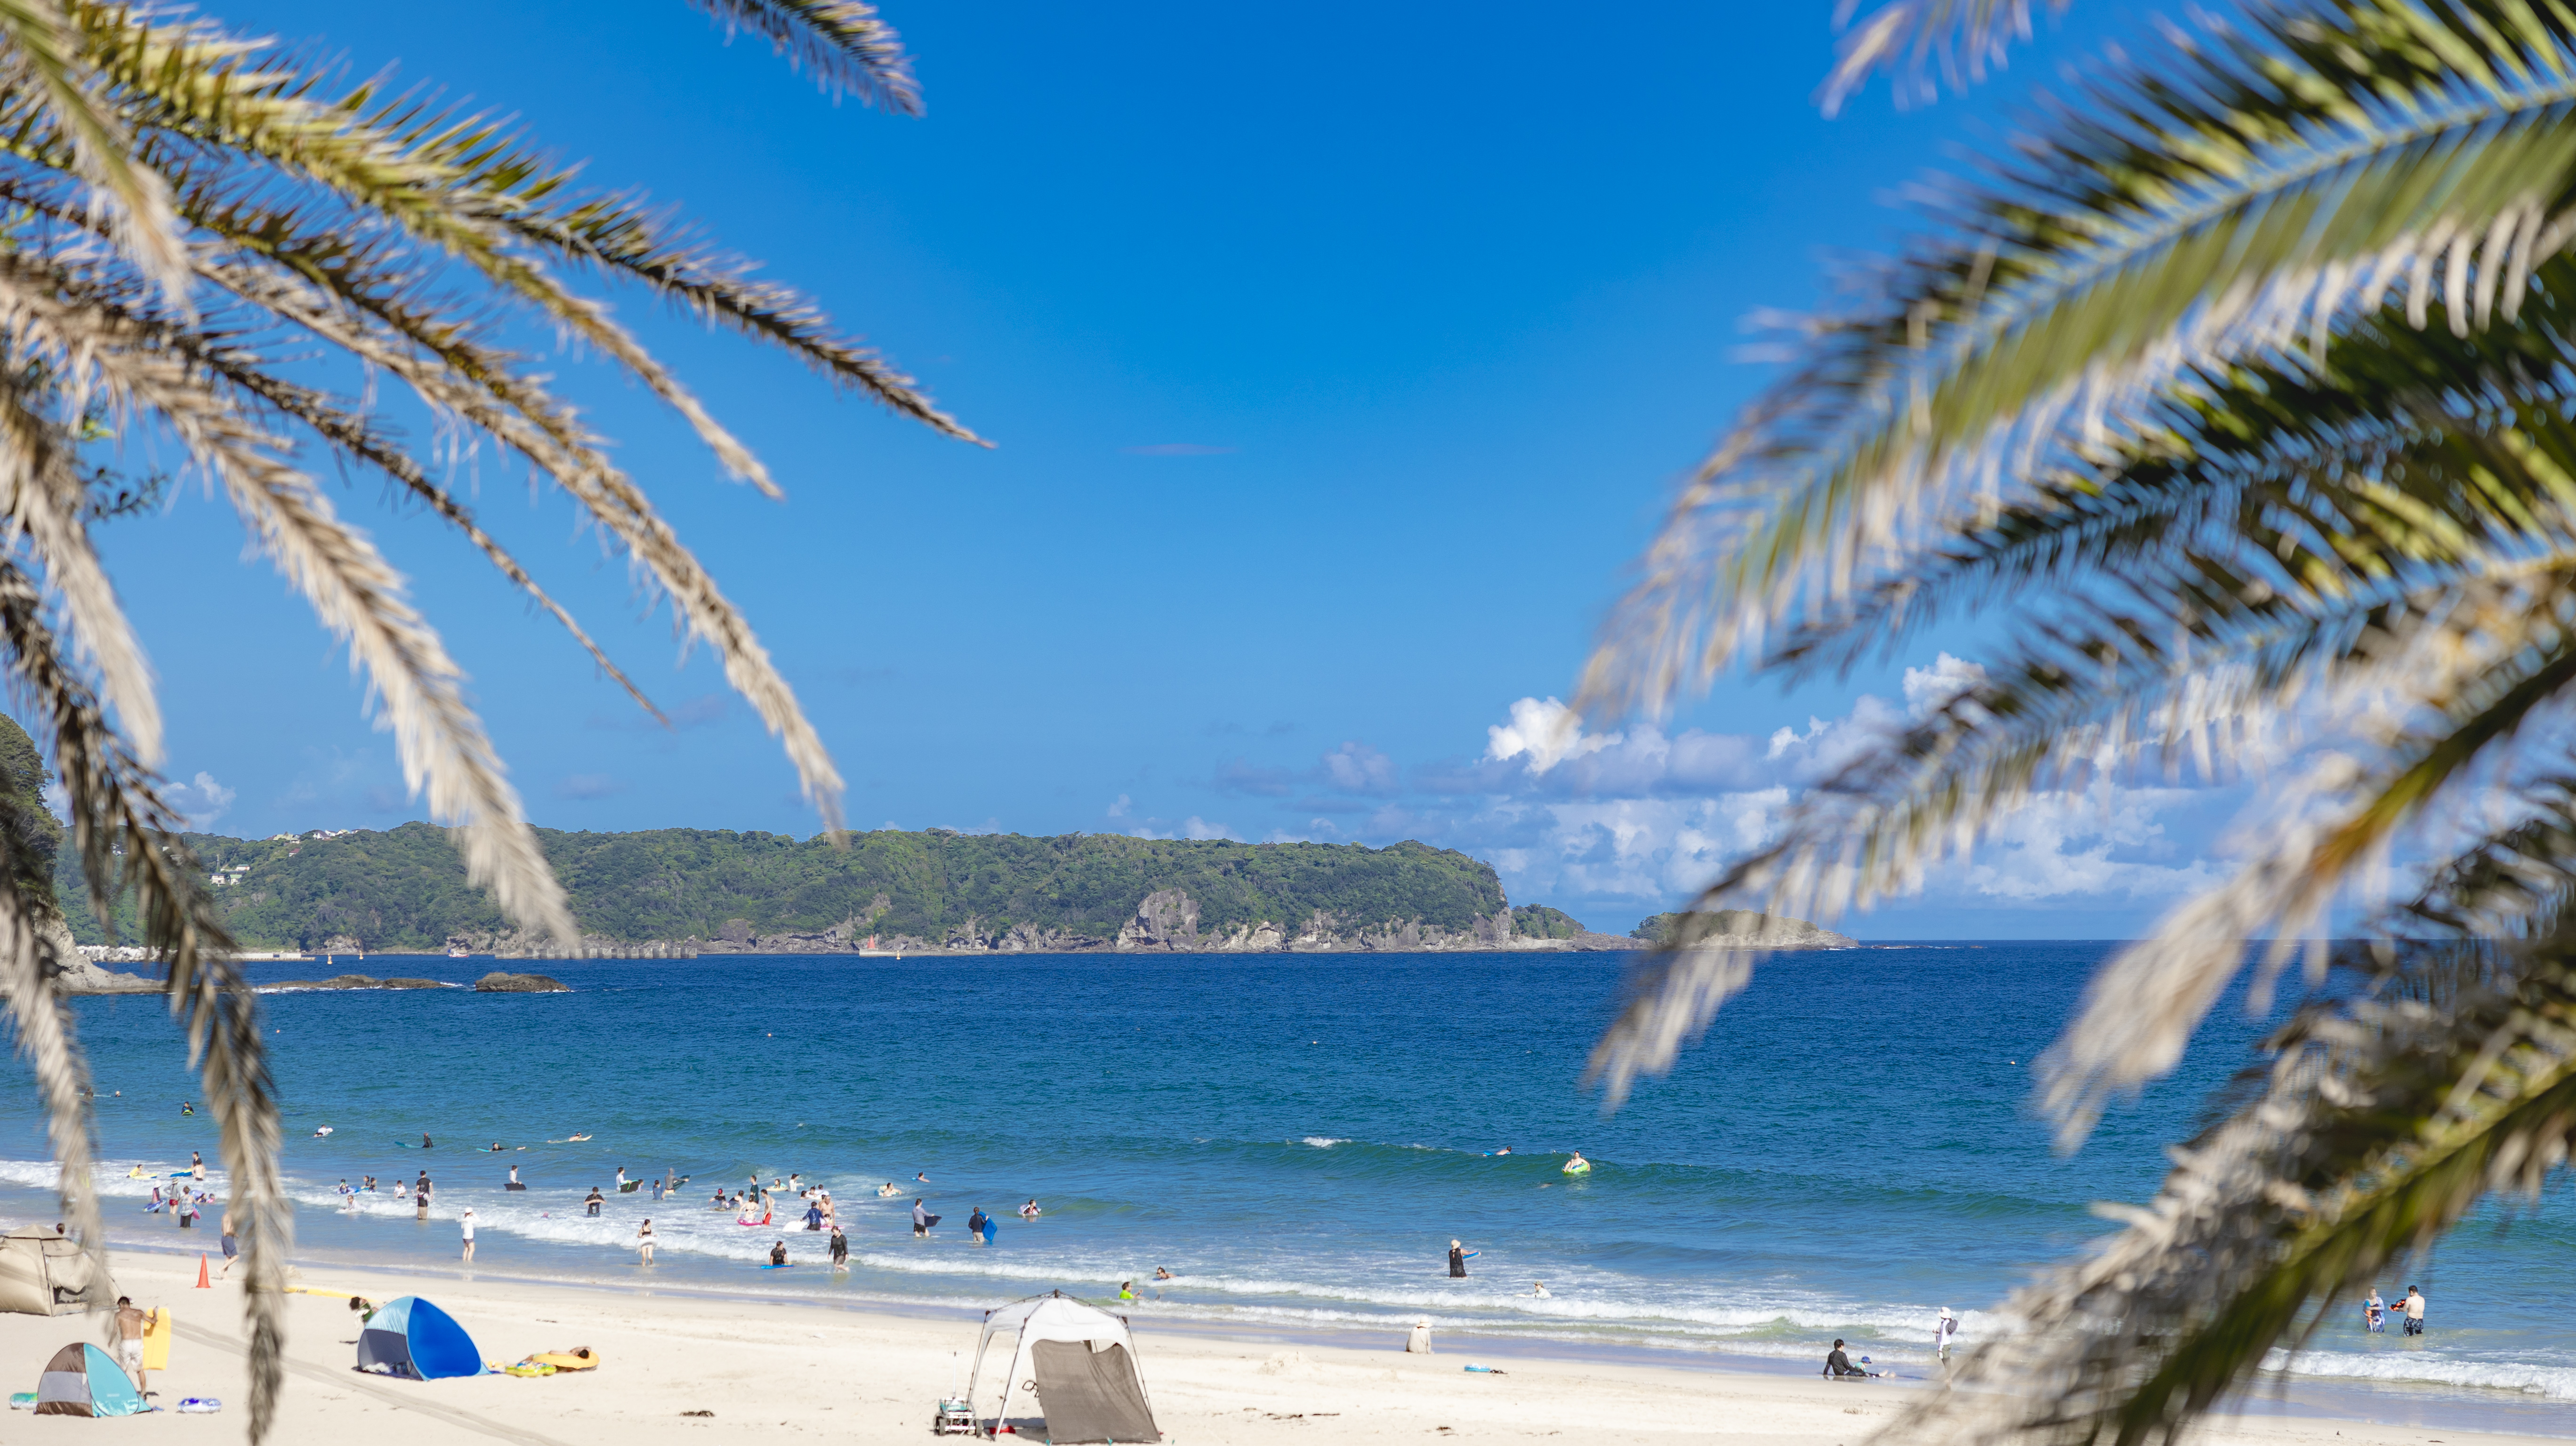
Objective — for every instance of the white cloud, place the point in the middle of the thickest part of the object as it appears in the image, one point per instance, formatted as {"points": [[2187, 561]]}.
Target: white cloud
{"points": [[1927, 690], [1119, 809], [201, 800], [1197, 827], [1547, 733], [2062, 845]]}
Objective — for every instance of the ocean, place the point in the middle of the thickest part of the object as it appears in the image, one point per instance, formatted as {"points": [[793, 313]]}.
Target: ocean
{"points": [[1296, 1137]]}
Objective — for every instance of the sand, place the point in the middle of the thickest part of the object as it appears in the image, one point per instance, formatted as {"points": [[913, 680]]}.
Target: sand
{"points": [[855, 1376]]}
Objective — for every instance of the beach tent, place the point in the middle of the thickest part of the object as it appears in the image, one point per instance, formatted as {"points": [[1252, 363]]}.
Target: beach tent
{"points": [[43, 1273], [82, 1380], [407, 1336], [1081, 1363]]}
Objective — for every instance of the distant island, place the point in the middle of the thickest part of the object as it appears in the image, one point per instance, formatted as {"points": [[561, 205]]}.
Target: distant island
{"points": [[689, 892]]}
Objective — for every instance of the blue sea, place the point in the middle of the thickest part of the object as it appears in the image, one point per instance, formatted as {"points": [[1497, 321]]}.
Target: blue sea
{"points": [[1296, 1137]]}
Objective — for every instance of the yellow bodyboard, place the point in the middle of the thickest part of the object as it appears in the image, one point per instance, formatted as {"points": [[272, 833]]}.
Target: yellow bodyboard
{"points": [[156, 1339]]}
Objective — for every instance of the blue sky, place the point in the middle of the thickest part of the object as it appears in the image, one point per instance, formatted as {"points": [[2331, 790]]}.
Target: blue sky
{"points": [[1339, 358]]}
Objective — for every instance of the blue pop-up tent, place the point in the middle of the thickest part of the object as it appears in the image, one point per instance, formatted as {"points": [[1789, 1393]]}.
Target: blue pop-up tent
{"points": [[408, 1336], [82, 1380]]}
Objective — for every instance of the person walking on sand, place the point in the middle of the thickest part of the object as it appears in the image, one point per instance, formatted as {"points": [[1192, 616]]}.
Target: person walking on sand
{"points": [[2414, 1311], [129, 1340], [840, 1249], [232, 1247], [644, 1241], [1457, 1261], [1945, 1329], [466, 1222]]}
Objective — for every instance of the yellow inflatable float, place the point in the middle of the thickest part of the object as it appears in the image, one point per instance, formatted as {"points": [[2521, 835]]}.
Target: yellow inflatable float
{"points": [[579, 1358]]}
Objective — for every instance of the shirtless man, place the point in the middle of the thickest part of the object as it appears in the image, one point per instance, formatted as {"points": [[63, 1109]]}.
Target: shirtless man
{"points": [[129, 1340]]}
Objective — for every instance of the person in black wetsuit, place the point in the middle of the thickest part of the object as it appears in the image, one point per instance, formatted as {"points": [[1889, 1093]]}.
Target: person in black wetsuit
{"points": [[778, 1253], [590, 1203], [840, 1249], [1457, 1261], [1839, 1365]]}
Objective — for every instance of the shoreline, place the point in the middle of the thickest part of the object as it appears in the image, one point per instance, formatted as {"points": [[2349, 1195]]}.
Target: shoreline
{"points": [[2290, 1401]]}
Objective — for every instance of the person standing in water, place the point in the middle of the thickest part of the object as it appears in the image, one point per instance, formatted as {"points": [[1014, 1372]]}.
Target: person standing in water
{"points": [[196, 1166], [420, 1197], [975, 1226], [2374, 1313], [466, 1223], [2414, 1311], [644, 1241], [920, 1219], [1457, 1261], [840, 1249]]}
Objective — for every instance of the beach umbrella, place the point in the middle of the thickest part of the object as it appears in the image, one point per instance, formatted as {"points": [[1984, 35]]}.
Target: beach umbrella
{"points": [[407, 1336], [82, 1380]]}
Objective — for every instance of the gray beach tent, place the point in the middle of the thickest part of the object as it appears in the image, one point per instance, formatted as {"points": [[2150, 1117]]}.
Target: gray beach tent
{"points": [[44, 1273], [1078, 1360]]}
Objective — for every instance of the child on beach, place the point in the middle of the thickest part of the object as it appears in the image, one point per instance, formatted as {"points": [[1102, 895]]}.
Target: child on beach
{"points": [[2374, 1314], [644, 1241]]}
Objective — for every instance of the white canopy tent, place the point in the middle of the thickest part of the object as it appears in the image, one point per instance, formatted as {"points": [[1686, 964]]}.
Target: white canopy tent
{"points": [[1078, 1361]]}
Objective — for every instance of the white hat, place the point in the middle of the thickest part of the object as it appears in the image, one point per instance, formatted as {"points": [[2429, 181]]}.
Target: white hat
{"points": [[1945, 1312]]}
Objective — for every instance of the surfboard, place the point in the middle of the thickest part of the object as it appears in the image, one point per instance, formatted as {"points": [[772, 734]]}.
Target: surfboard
{"points": [[782, 1265], [630, 1187], [514, 1185]]}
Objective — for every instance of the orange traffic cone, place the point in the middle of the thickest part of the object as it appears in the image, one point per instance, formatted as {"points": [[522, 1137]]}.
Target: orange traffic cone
{"points": [[202, 1282]]}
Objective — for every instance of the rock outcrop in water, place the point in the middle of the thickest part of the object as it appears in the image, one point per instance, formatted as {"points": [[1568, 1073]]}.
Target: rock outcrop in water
{"points": [[500, 983], [86, 976], [1738, 929], [355, 981]]}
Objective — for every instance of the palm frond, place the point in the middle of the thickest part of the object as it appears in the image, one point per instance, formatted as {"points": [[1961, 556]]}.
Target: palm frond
{"points": [[440, 742], [42, 50], [128, 840], [1913, 37], [2382, 1120], [841, 43], [2287, 176]]}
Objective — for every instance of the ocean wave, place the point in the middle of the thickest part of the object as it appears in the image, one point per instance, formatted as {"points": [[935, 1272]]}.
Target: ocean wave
{"points": [[1322, 1142], [2402, 1367]]}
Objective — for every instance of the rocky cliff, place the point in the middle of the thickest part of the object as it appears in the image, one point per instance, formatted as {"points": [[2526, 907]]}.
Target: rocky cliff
{"points": [[1736, 929]]}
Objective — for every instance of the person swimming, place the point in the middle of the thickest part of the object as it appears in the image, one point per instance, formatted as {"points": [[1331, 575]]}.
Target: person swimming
{"points": [[887, 1191], [321, 1132], [1030, 1211], [1161, 1274], [496, 1147], [424, 1142], [922, 1175], [1538, 1288]]}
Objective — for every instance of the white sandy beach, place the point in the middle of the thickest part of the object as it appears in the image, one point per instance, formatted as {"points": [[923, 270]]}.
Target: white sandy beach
{"points": [[876, 1377]]}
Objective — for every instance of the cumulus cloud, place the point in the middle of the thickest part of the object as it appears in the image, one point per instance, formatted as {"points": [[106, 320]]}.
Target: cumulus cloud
{"points": [[1927, 690], [201, 800], [1546, 733]]}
